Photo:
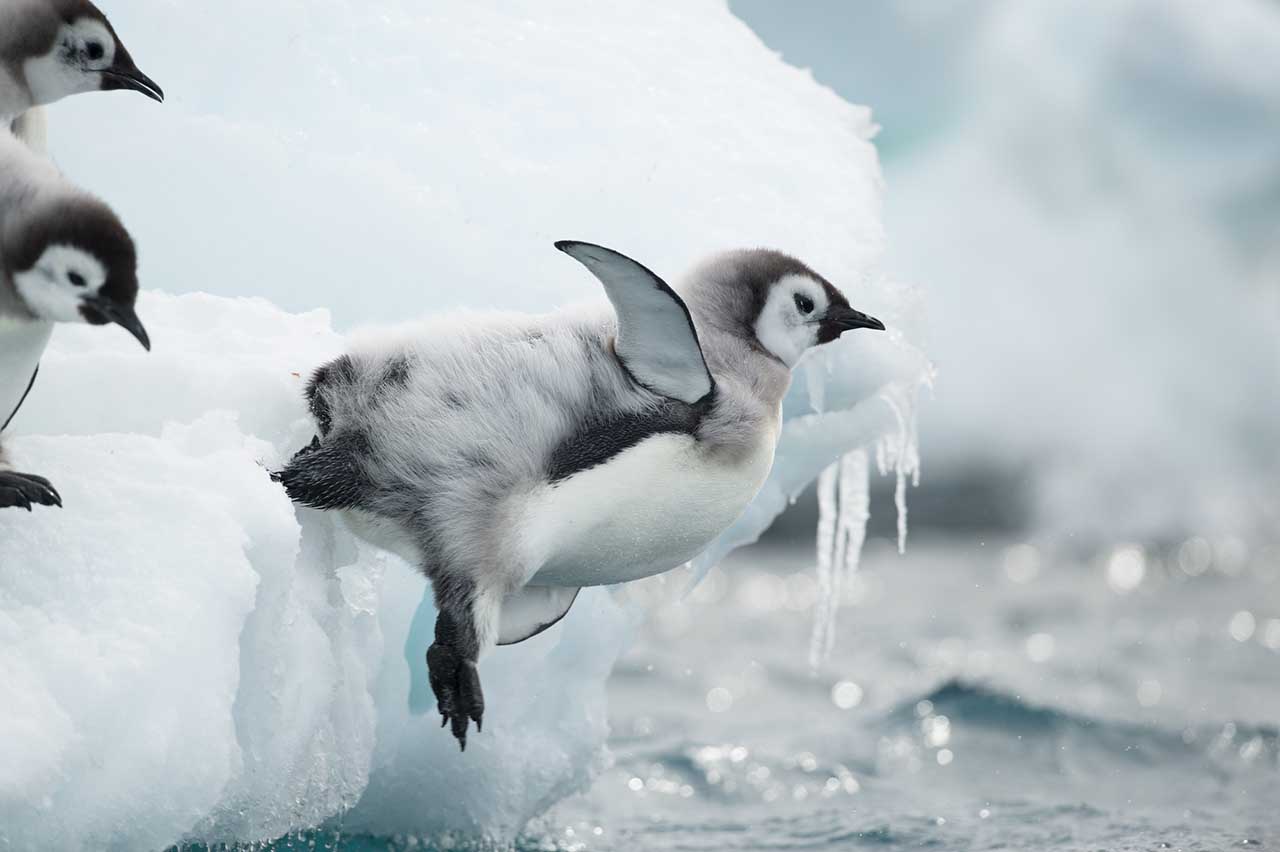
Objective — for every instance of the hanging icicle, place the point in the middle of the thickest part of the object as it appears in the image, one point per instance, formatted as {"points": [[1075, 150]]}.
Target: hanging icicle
{"points": [[844, 490], [843, 510]]}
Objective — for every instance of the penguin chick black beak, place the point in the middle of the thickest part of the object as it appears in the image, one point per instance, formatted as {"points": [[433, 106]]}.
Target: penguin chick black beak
{"points": [[123, 74], [122, 315], [842, 318]]}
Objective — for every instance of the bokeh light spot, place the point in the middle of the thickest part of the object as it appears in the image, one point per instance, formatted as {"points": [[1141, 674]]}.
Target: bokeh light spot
{"points": [[1021, 563], [1126, 568], [719, 699], [846, 694], [1242, 626]]}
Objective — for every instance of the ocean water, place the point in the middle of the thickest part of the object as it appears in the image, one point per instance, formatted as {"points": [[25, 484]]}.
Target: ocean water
{"points": [[981, 694]]}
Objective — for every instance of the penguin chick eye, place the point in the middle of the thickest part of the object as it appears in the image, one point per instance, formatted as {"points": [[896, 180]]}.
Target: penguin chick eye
{"points": [[804, 304], [77, 280], [95, 50]]}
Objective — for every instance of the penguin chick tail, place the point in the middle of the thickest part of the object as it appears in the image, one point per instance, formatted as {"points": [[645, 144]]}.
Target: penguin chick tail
{"points": [[325, 476]]}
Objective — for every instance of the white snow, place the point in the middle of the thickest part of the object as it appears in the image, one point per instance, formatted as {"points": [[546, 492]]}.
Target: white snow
{"points": [[186, 656]]}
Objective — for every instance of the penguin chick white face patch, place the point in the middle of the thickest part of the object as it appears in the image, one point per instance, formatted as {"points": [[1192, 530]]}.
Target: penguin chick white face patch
{"points": [[788, 323], [82, 50], [60, 282]]}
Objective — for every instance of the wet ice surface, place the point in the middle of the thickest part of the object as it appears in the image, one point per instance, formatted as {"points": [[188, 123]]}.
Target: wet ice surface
{"points": [[979, 695]]}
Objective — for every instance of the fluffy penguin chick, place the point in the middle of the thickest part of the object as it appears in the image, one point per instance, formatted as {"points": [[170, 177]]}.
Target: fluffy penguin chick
{"points": [[516, 459], [64, 257], [50, 49]]}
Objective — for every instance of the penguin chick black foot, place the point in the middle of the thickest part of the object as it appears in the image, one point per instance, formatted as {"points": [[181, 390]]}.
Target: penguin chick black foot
{"points": [[23, 489], [456, 684]]}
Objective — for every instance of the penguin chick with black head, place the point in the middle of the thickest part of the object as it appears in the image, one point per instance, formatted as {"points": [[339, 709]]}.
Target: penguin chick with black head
{"points": [[50, 49], [64, 257], [516, 459]]}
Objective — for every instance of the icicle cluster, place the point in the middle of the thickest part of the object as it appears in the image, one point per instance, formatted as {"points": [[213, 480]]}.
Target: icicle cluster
{"points": [[844, 501]]}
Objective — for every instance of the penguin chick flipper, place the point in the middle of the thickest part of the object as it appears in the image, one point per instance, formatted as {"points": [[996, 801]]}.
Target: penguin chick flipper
{"points": [[21, 490], [533, 609], [657, 343], [466, 625]]}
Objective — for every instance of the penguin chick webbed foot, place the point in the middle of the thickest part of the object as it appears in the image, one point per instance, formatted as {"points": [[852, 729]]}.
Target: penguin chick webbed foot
{"points": [[451, 661], [456, 684], [21, 490]]}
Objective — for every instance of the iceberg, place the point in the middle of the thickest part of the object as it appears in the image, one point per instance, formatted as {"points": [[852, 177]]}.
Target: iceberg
{"points": [[190, 658]]}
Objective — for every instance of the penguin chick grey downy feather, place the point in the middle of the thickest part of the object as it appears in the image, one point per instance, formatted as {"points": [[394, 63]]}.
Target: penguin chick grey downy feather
{"points": [[515, 459], [64, 257], [50, 49]]}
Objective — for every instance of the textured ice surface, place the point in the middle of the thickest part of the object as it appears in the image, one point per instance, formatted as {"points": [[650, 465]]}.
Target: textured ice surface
{"points": [[193, 658]]}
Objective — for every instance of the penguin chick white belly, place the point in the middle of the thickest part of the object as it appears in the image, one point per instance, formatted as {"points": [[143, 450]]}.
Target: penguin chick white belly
{"points": [[22, 342], [647, 510]]}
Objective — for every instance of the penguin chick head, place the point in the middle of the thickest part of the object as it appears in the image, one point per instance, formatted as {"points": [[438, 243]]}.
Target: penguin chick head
{"points": [[66, 47], [74, 262], [775, 300]]}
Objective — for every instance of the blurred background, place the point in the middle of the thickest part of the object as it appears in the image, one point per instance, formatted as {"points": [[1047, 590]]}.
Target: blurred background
{"points": [[1090, 195]]}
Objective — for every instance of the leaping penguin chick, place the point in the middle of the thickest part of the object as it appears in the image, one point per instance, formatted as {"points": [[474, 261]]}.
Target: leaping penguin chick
{"points": [[50, 49], [516, 459], [64, 257]]}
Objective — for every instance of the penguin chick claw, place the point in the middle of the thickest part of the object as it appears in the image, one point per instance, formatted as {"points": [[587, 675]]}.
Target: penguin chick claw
{"points": [[22, 490], [456, 684]]}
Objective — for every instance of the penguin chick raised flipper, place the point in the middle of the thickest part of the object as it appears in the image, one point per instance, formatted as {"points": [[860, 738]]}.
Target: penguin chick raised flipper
{"points": [[50, 49], [64, 257], [516, 459]]}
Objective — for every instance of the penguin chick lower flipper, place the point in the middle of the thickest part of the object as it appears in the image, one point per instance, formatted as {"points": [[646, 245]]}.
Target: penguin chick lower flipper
{"points": [[21, 490], [463, 629]]}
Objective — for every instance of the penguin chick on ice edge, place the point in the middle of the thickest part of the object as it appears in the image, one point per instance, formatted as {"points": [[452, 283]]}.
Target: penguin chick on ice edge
{"points": [[518, 458], [50, 49], [64, 257]]}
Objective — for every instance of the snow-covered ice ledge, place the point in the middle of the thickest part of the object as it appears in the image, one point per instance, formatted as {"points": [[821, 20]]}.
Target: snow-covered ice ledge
{"points": [[184, 654]]}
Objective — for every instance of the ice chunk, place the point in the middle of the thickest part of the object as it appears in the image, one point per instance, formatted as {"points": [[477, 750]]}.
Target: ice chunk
{"points": [[120, 622]]}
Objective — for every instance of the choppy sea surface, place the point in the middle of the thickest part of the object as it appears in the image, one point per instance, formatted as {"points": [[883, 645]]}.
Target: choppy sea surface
{"points": [[981, 695]]}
